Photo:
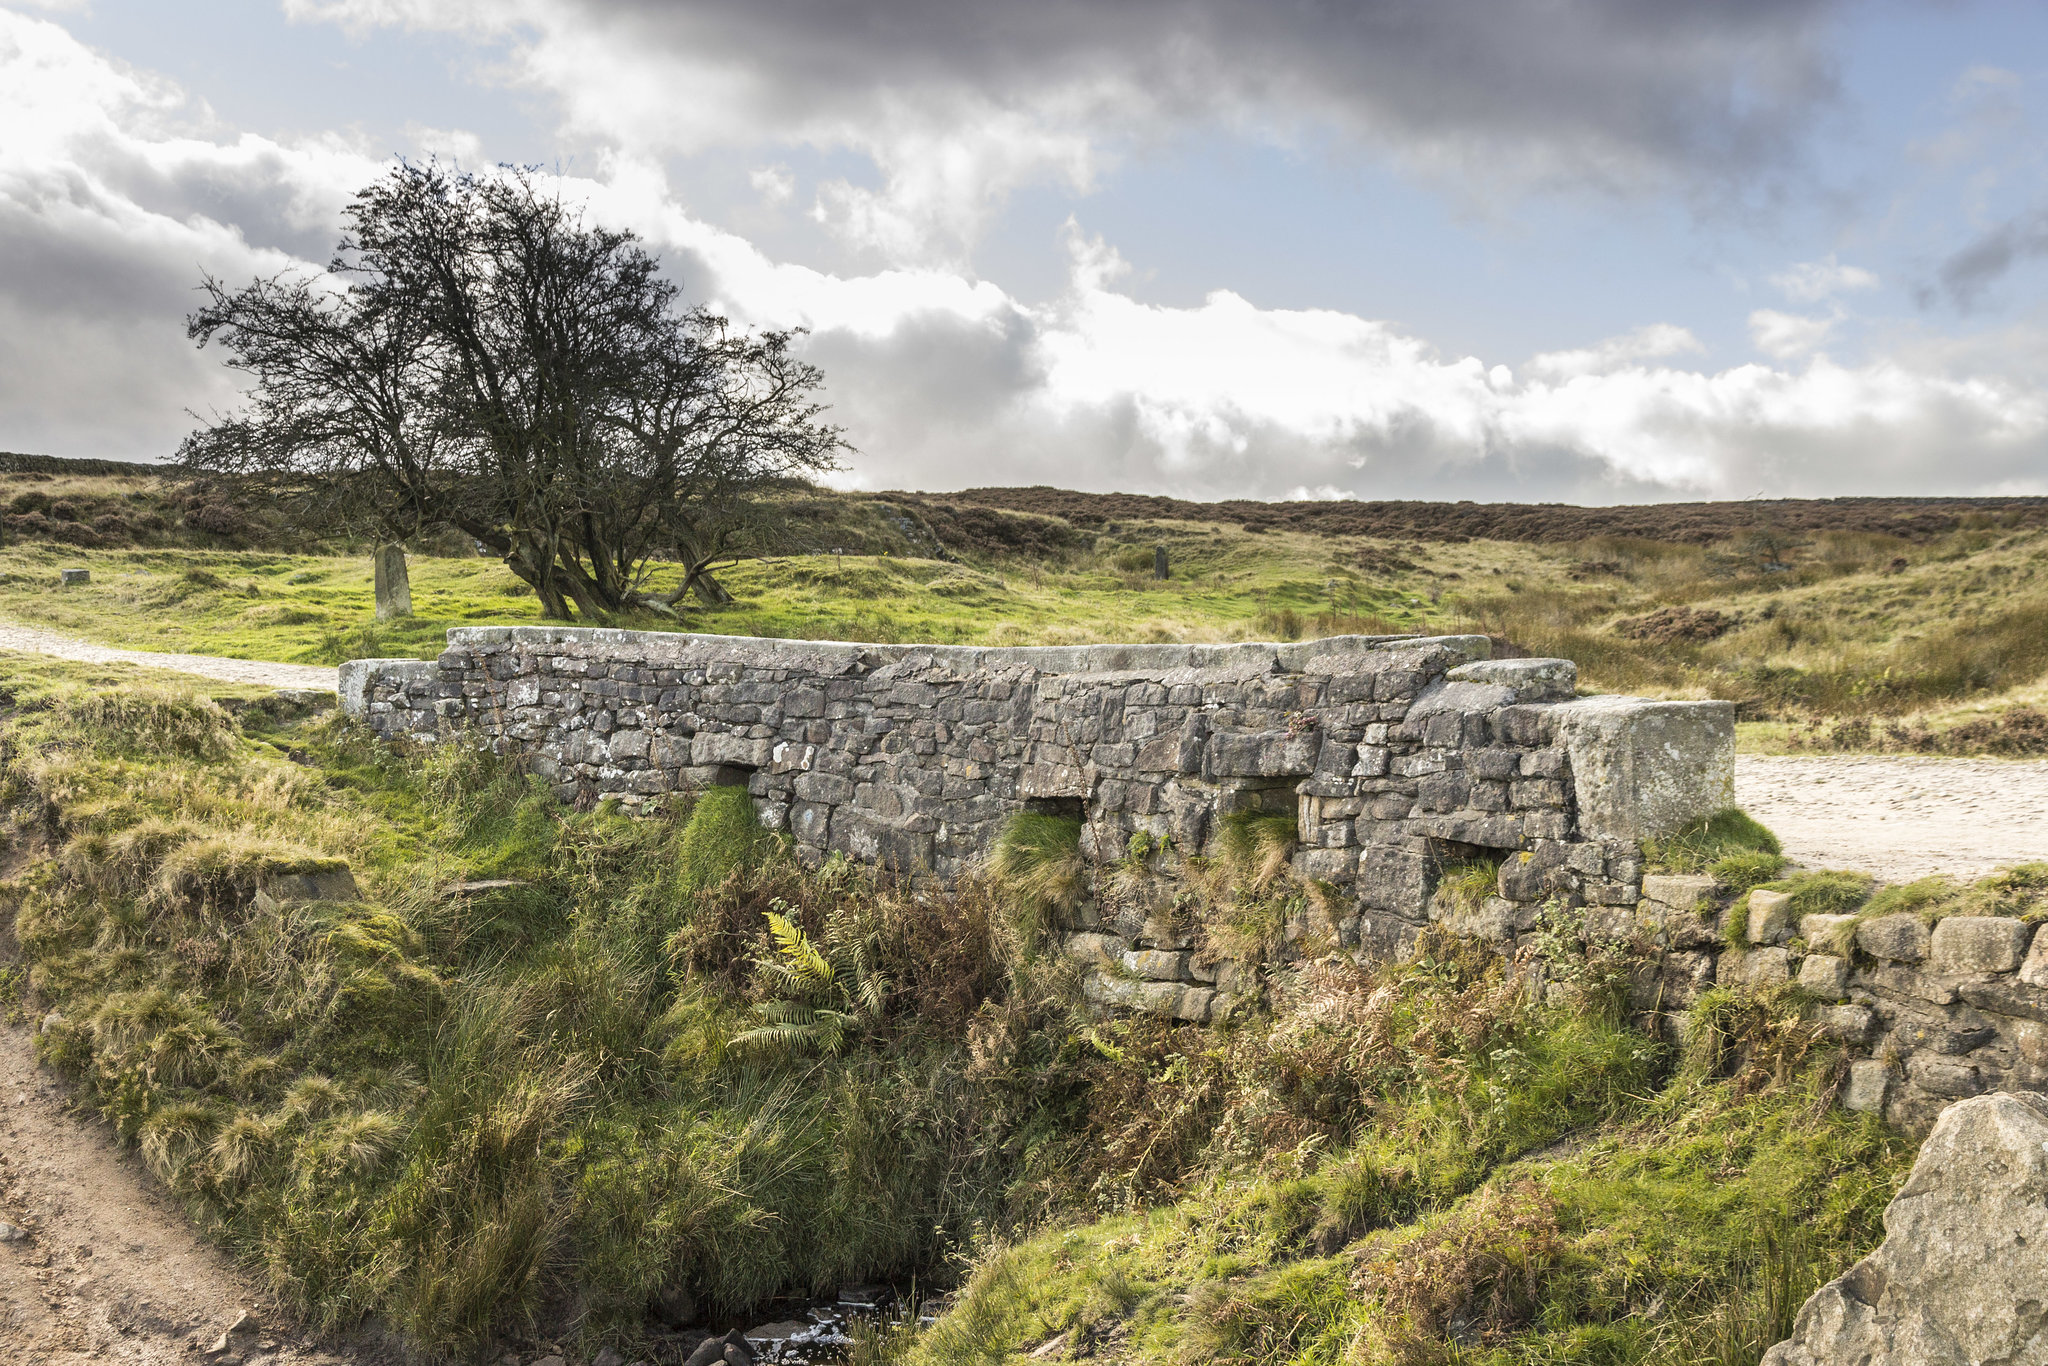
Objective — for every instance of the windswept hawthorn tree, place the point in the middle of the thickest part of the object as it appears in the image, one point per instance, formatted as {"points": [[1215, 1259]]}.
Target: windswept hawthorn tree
{"points": [[480, 357]]}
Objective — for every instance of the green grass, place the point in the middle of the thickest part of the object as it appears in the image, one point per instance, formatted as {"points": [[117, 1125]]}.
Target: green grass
{"points": [[1600, 1219], [1037, 859], [490, 1117], [1729, 838], [454, 1110]]}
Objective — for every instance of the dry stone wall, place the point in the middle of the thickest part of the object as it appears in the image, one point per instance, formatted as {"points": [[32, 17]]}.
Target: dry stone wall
{"points": [[1929, 1014], [1397, 757]]}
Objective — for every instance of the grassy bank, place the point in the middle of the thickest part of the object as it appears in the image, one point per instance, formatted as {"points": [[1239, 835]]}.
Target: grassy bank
{"points": [[653, 1068], [1829, 640]]}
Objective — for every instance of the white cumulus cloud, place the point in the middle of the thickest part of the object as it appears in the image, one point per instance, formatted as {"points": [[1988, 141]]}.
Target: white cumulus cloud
{"points": [[1815, 281], [1789, 335]]}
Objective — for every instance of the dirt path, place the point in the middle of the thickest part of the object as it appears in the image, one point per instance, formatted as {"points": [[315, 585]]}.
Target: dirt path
{"points": [[1900, 817], [105, 1266], [260, 672]]}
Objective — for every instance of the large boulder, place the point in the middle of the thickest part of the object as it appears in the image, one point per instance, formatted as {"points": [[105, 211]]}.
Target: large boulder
{"points": [[1962, 1275]]}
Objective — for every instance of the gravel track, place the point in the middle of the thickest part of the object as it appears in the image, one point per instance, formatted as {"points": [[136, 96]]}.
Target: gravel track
{"points": [[1900, 817], [262, 673], [101, 1265]]}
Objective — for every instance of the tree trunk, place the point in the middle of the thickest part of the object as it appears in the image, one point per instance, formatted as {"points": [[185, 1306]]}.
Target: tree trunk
{"points": [[709, 591], [394, 586], [538, 573]]}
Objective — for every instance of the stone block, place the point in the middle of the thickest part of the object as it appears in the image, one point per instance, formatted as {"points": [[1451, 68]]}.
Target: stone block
{"points": [[1610, 923], [1946, 1077], [726, 748], [1089, 947], [1900, 938], [1680, 891], [1328, 865], [2034, 971], [1384, 938], [74, 578], [1766, 968], [1849, 1024], [2007, 996], [1769, 917], [870, 839], [1865, 1088], [1168, 999], [1643, 768], [1680, 929], [1493, 765], [1823, 974], [1158, 965], [1964, 944], [1260, 754], [1819, 931], [2030, 1041], [1528, 680], [1395, 877], [1495, 919]]}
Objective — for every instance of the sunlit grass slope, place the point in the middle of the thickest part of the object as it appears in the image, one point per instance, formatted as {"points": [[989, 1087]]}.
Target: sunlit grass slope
{"points": [[1927, 636]]}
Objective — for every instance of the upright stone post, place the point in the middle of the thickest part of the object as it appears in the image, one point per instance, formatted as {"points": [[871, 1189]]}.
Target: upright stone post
{"points": [[394, 588], [1158, 561]]}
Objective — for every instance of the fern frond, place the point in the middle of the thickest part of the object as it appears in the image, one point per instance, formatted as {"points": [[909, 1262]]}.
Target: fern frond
{"points": [[872, 993], [777, 1040], [800, 961]]}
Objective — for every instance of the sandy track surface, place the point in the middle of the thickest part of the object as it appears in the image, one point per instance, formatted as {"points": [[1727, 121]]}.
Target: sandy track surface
{"points": [[106, 1267], [260, 672], [1900, 817]]}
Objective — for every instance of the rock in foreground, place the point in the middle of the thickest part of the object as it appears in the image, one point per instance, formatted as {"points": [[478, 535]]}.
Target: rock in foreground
{"points": [[1962, 1275]]}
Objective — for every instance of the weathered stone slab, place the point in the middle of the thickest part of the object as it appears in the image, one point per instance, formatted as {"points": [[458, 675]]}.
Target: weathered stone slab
{"points": [[1824, 974], [1978, 943], [1679, 891], [1770, 917], [1528, 680], [1901, 938], [1643, 769]]}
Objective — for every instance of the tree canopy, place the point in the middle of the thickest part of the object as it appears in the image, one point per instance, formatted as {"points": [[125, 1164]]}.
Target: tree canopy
{"points": [[480, 357]]}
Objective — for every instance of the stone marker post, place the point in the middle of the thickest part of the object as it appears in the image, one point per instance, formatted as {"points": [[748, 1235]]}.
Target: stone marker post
{"points": [[394, 588], [71, 578], [1159, 562]]}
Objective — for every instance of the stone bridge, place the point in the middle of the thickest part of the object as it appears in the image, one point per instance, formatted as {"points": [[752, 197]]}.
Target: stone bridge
{"points": [[1396, 754]]}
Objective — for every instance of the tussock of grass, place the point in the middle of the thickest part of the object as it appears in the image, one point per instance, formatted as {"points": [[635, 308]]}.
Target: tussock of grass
{"points": [[722, 837], [1726, 834], [1038, 858], [1257, 844], [1466, 884], [1826, 891]]}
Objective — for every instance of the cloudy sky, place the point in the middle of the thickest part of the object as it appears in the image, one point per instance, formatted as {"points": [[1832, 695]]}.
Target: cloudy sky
{"points": [[1579, 250]]}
